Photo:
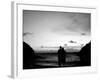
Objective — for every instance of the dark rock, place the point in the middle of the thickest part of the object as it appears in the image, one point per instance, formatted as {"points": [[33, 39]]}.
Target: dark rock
{"points": [[28, 55], [85, 55]]}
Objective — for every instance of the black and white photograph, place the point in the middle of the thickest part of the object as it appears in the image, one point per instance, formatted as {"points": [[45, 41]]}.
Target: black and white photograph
{"points": [[56, 39]]}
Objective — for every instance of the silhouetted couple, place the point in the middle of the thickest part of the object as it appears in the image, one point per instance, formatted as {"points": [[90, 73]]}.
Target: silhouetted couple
{"points": [[61, 56]]}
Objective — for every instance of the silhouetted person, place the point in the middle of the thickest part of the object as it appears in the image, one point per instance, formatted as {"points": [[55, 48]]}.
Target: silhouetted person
{"points": [[28, 56], [85, 55], [61, 56]]}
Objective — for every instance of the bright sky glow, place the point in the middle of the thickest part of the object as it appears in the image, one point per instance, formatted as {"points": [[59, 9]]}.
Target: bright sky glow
{"points": [[42, 28]]}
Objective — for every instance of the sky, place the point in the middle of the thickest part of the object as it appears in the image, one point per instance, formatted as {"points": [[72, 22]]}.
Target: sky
{"points": [[51, 28]]}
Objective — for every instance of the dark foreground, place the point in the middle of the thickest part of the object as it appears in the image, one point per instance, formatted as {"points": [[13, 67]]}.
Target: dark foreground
{"points": [[50, 60], [32, 60]]}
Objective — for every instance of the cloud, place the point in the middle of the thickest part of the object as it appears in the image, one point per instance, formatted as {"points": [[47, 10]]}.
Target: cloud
{"points": [[27, 33], [83, 34], [75, 25]]}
